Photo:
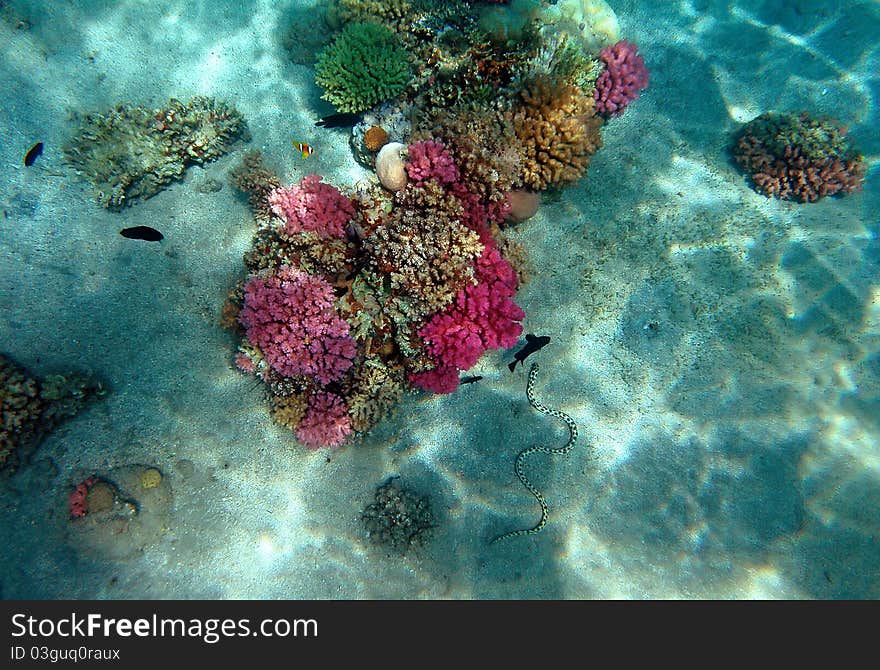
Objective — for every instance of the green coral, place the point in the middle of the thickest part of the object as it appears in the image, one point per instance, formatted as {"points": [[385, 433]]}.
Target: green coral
{"points": [[364, 65], [817, 138], [130, 153]]}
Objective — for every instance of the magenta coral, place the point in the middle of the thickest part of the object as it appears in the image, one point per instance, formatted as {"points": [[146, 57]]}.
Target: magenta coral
{"points": [[326, 422], [290, 317], [624, 76], [312, 206], [430, 159], [482, 317], [76, 503], [442, 379]]}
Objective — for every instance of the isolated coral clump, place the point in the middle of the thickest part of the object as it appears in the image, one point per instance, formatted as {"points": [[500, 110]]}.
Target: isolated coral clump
{"points": [[326, 422], [798, 157], [31, 407], [363, 66], [624, 77], [312, 206], [398, 518], [290, 316], [131, 153], [558, 132]]}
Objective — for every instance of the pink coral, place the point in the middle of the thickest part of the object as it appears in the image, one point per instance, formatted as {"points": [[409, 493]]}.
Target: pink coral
{"points": [[326, 422], [482, 317], [77, 500], [290, 317], [442, 379], [312, 206], [430, 159], [624, 76]]}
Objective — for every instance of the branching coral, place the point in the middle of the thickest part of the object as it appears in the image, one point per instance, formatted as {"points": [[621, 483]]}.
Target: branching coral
{"points": [[289, 315], [798, 157], [624, 76], [373, 392], [312, 206], [363, 66], [483, 144], [482, 317], [424, 250], [558, 132], [326, 422], [258, 180]]}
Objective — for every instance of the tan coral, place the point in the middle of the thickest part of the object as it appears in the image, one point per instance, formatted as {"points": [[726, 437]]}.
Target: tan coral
{"points": [[288, 410], [30, 407], [427, 254], [374, 392], [558, 131]]}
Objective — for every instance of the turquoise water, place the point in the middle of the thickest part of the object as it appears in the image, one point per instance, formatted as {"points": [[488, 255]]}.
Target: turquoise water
{"points": [[718, 350]]}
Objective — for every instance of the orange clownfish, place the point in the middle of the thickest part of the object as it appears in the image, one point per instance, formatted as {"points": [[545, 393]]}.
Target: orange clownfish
{"points": [[304, 149]]}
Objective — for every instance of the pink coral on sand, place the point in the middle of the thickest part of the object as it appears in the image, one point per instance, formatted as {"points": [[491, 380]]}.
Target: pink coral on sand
{"points": [[291, 318], [77, 500], [624, 76], [312, 206], [326, 422], [482, 317], [430, 159]]}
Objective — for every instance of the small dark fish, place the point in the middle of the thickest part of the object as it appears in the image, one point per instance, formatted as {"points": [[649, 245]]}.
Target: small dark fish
{"points": [[532, 345], [33, 154], [343, 120], [470, 380], [142, 233]]}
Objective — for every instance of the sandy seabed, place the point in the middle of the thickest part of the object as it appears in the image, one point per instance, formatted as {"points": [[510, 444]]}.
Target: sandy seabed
{"points": [[731, 449]]}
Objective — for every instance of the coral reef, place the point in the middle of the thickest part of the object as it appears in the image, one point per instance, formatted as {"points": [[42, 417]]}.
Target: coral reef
{"points": [[354, 297], [798, 157], [398, 519], [32, 407], [558, 132], [423, 248], [132, 153], [364, 65], [625, 75]]}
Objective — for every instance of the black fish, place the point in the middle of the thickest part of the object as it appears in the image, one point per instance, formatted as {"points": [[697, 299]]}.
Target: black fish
{"points": [[33, 154], [343, 120], [470, 380], [532, 345], [142, 233]]}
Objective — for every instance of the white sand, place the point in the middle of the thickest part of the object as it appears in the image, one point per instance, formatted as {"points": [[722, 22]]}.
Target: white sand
{"points": [[731, 452]]}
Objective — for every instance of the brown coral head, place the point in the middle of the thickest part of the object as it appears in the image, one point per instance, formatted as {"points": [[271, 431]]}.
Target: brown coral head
{"points": [[375, 138]]}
